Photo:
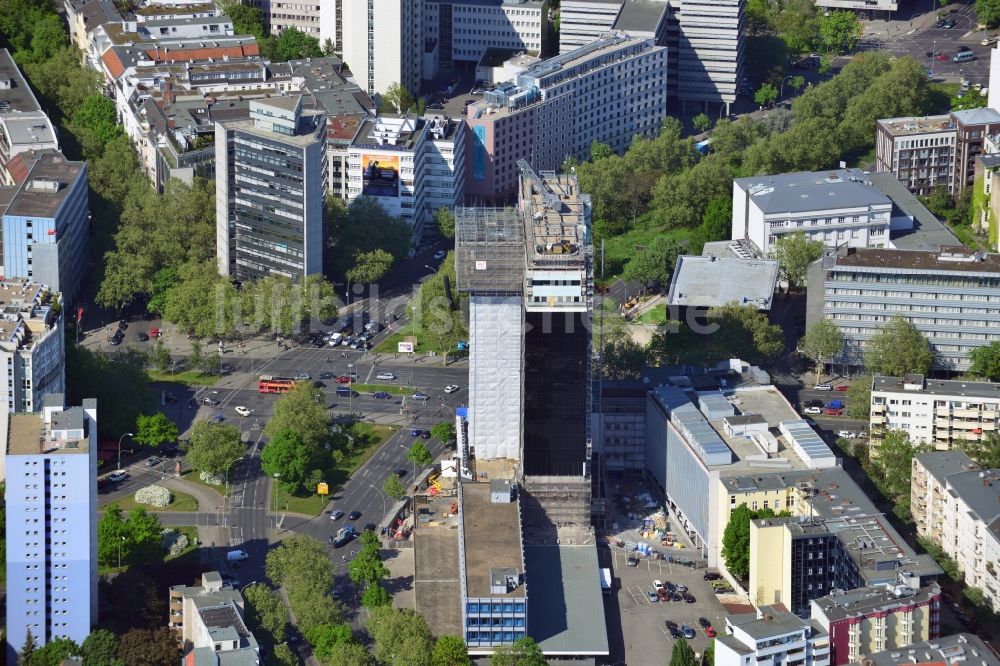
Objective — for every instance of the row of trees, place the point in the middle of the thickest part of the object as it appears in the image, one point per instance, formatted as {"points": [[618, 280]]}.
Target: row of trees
{"points": [[128, 540], [301, 566], [152, 647], [802, 26]]}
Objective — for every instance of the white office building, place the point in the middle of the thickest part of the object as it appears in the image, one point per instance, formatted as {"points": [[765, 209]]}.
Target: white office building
{"points": [[771, 635], [584, 21], [412, 166], [383, 43], [839, 207], [957, 505], [462, 30], [942, 413], [51, 524]]}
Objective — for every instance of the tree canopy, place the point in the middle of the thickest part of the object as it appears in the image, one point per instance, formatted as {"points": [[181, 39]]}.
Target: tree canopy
{"points": [[303, 412], [401, 636], [523, 652], [287, 458], [155, 429], [986, 362], [821, 343], [898, 349], [795, 253], [213, 447]]}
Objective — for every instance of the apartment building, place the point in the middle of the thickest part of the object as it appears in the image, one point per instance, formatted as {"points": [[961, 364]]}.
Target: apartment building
{"points": [[384, 43], [950, 296], [461, 31], [957, 505], [771, 635], [46, 226], [871, 619], [270, 178], [85, 16], [945, 414], [706, 53], [306, 17], [954, 649], [412, 166], [208, 621], [841, 207], [51, 496], [934, 151], [558, 107], [23, 124]]}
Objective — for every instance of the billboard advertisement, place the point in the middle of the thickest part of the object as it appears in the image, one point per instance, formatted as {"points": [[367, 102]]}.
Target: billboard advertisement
{"points": [[380, 175]]}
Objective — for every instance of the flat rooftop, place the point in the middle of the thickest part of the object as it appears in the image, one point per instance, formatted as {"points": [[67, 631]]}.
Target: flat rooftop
{"points": [[775, 622], [153, 9], [806, 191], [565, 607], [436, 584], [489, 250], [304, 138], [909, 126], [18, 97], [595, 50], [941, 387], [942, 464], [553, 210], [928, 232], [948, 260], [640, 16], [28, 437], [46, 187], [713, 282], [492, 537], [839, 605], [955, 649]]}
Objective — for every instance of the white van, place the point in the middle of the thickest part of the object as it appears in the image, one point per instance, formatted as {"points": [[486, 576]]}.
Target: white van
{"points": [[963, 56], [335, 339], [237, 556]]}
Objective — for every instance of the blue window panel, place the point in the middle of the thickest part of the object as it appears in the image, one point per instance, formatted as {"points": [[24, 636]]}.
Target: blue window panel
{"points": [[519, 608], [472, 621], [508, 622], [508, 607], [497, 609], [473, 608], [472, 637], [518, 634], [518, 621], [508, 636]]}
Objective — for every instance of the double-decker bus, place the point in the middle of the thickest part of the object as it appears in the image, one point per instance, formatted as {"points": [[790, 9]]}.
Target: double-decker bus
{"points": [[271, 384]]}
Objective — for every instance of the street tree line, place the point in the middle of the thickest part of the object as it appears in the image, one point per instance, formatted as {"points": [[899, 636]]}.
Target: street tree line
{"points": [[151, 647]]}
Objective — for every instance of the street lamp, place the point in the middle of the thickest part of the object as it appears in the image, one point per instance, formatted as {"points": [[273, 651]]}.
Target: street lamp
{"points": [[412, 461], [382, 495], [127, 434], [274, 500], [781, 90], [120, 552]]}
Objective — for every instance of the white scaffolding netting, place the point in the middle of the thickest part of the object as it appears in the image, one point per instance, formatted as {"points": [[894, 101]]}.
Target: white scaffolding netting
{"points": [[495, 376]]}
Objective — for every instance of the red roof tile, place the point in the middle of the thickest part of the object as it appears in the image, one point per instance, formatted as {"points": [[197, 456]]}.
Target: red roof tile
{"points": [[180, 55], [113, 63]]}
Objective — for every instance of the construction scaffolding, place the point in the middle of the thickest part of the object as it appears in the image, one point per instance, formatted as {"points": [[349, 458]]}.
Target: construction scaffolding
{"points": [[489, 244]]}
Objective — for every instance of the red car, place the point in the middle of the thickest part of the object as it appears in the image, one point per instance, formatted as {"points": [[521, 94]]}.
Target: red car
{"points": [[343, 379], [833, 412], [710, 632], [663, 594], [942, 56], [844, 387]]}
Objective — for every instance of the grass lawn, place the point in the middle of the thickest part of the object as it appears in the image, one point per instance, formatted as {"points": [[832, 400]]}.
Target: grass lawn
{"points": [[965, 235], [185, 377], [192, 534], [192, 476], [619, 249], [181, 502], [313, 504], [656, 315]]}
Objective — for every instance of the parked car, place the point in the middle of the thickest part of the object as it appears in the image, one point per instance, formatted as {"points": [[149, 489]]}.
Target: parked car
{"points": [[942, 56], [657, 584], [814, 403], [302, 377], [426, 434], [116, 340], [675, 632], [689, 598], [117, 476], [385, 376], [652, 596], [709, 632], [711, 575], [382, 395], [963, 49], [401, 472], [813, 410], [704, 623], [143, 337], [662, 595], [326, 375], [832, 411], [421, 396], [344, 379], [842, 387], [847, 434], [632, 561], [688, 632], [822, 387]]}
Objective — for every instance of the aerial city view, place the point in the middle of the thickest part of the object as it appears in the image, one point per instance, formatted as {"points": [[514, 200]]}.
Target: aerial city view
{"points": [[500, 332]]}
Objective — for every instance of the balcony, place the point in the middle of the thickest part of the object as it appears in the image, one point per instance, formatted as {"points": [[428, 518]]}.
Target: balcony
{"points": [[877, 419]]}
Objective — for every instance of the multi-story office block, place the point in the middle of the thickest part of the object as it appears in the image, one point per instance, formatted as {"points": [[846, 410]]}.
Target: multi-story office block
{"points": [[308, 17], [954, 649], [383, 42], [270, 183], [31, 347], [208, 621], [869, 619], [836, 207], [460, 31], [706, 52], [620, 424], [412, 166], [934, 151], [51, 524], [558, 107], [957, 505], [946, 414], [771, 635], [584, 21], [23, 124], [341, 131], [866, 7], [950, 296], [46, 227]]}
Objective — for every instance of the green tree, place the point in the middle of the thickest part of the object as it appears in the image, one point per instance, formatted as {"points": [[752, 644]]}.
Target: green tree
{"points": [[985, 453], [450, 651], [294, 44], [397, 99], [155, 429], [283, 656], [199, 303], [702, 122], [892, 459], [367, 567], [300, 559], [736, 542], [655, 263], [682, 654], [621, 356], [795, 253], [443, 432], [393, 487], [301, 410], [160, 358], [47, 39], [840, 30], [986, 362], [898, 349], [119, 379], [213, 447], [708, 657], [143, 532], [149, 647], [266, 611], [27, 648], [370, 267], [419, 455], [95, 124], [523, 652], [796, 83], [314, 607], [349, 654], [445, 219], [324, 637], [287, 458], [54, 652], [988, 12], [859, 398], [746, 332], [285, 306], [401, 636], [975, 596], [821, 343], [247, 19], [716, 223], [163, 282], [99, 649], [362, 227], [112, 537], [375, 595], [766, 95]]}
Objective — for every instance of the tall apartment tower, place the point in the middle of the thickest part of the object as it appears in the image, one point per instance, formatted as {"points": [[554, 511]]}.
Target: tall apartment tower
{"points": [[383, 43], [270, 182], [706, 52], [51, 524], [529, 275]]}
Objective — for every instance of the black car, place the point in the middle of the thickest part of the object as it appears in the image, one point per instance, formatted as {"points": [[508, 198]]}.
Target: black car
{"points": [[318, 343], [370, 527], [688, 598], [354, 515], [675, 632], [326, 375], [963, 48], [703, 621], [143, 337], [318, 384], [400, 472], [426, 434], [711, 575], [382, 395], [670, 624], [117, 340], [676, 596]]}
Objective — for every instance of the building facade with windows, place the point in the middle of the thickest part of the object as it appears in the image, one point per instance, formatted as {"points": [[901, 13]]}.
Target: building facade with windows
{"points": [[956, 505], [23, 124], [209, 624], [51, 495], [460, 31], [383, 43], [270, 182], [944, 414], [950, 296], [771, 635]]}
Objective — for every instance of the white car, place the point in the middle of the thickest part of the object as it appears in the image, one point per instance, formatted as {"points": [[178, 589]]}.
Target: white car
{"points": [[117, 476], [242, 411], [451, 388], [303, 377], [657, 584], [822, 387], [813, 410], [385, 376], [847, 434]]}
